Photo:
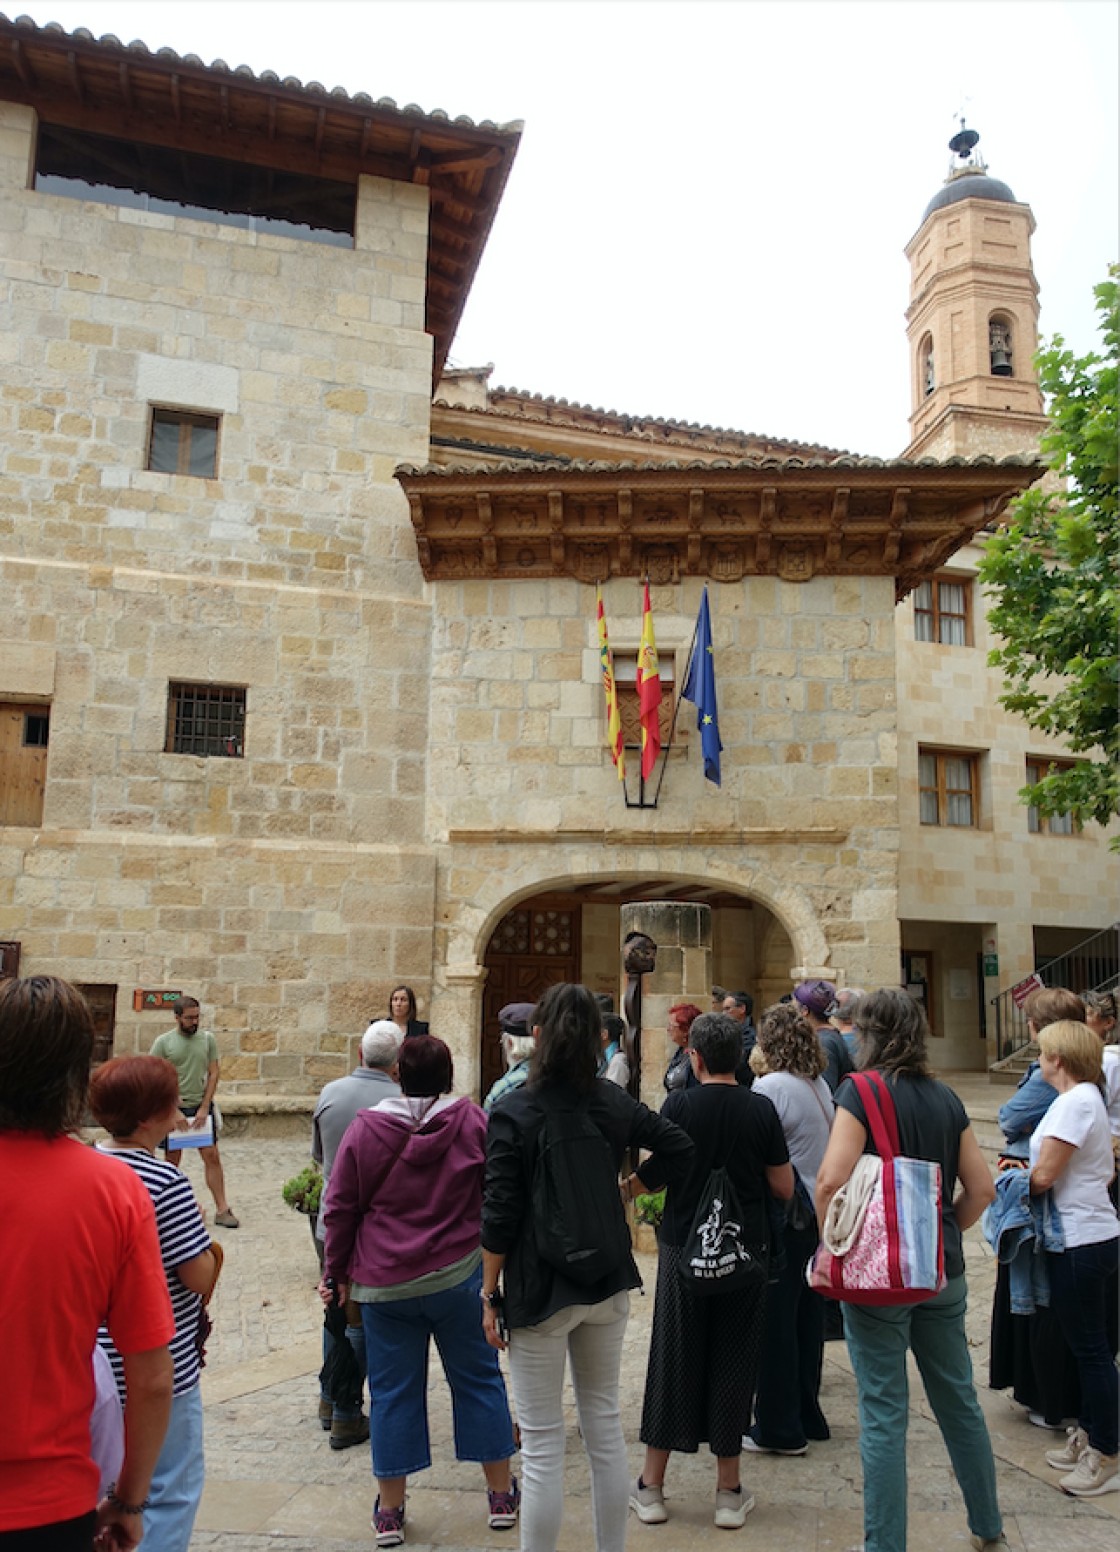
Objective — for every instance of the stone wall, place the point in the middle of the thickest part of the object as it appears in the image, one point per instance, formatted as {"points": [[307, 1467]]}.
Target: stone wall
{"points": [[523, 797], [997, 876], [289, 889]]}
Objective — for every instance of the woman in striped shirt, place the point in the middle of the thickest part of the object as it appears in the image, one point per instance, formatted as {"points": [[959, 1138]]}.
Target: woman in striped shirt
{"points": [[136, 1100]]}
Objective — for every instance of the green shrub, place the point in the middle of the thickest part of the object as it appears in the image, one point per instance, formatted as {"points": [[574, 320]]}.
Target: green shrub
{"points": [[303, 1191], [650, 1209]]}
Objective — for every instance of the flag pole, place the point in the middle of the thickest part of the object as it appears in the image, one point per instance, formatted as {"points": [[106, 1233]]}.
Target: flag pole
{"points": [[676, 709]]}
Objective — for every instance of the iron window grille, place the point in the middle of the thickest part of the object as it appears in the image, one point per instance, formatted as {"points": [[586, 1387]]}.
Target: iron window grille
{"points": [[206, 719]]}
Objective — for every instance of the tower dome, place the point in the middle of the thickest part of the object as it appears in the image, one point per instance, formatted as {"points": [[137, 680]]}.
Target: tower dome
{"points": [[968, 176]]}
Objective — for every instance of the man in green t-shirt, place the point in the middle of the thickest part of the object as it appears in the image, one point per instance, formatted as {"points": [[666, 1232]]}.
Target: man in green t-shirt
{"points": [[193, 1052]]}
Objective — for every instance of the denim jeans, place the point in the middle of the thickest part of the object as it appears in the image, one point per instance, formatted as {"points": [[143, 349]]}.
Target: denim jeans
{"points": [[397, 1336], [1078, 1283], [591, 1336], [178, 1478], [787, 1406], [356, 1336], [878, 1338]]}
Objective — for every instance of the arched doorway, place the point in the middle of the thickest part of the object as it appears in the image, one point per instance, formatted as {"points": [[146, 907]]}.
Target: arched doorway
{"points": [[573, 935]]}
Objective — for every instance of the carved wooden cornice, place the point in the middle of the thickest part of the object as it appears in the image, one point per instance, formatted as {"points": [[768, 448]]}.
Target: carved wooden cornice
{"points": [[768, 517]]}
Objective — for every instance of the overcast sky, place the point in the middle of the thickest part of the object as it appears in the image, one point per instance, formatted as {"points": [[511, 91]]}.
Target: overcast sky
{"points": [[707, 214]]}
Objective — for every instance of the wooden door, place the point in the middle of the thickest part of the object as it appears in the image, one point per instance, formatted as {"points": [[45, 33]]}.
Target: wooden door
{"points": [[9, 960], [23, 762], [533, 947], [102, 1001]]}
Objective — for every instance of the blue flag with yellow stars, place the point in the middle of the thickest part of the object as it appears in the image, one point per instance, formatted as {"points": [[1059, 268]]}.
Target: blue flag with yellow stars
{"points": [[700, 689]]}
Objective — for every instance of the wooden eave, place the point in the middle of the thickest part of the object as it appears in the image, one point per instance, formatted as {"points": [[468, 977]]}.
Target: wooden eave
{"points": [[101, 86], [768, 517]]}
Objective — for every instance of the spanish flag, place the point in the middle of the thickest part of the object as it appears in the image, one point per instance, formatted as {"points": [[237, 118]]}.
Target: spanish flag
{"points": [[649, 692], [610, 691]]}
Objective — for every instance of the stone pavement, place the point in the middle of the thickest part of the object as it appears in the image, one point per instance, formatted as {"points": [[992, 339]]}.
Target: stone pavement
{"points": [[273, 1482]]}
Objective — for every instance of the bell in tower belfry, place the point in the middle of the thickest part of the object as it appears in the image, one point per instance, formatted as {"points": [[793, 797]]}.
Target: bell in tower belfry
{"points": [[972, 323]]}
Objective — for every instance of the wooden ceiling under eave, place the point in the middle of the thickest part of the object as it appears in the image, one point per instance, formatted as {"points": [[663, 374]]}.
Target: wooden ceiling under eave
{"points": [[102, 86]]}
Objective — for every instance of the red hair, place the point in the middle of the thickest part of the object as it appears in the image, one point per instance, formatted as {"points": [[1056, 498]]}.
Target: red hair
{"points": [[128, 1090], [684, 1014]]}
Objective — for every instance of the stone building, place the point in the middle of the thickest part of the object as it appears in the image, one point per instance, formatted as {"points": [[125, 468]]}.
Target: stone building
{"points": [[300, 685]]}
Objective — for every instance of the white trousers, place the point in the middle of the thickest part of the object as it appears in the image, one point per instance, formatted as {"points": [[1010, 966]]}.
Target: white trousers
{"points": [[591, 1335]]}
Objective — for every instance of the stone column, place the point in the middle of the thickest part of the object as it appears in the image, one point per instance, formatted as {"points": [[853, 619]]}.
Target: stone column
{"points": [[683, 934], [456, 1017], [19, 131]]}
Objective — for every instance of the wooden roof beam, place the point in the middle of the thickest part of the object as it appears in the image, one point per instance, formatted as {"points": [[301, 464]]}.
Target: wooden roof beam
{"points": [[23, 65], [466, 161], [75, 77]]}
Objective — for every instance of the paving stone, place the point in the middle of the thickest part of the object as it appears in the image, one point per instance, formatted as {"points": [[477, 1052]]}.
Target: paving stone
{"points": [[273, 1481]]}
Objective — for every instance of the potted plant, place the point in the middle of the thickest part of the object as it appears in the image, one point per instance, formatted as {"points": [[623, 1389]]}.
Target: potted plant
{"points": [[303, 1193], [649, 1209]]}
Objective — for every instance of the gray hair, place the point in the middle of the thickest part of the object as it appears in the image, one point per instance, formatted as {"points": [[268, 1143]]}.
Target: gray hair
{"points": [[846, 999], [518, 1048], [381, 1044]]}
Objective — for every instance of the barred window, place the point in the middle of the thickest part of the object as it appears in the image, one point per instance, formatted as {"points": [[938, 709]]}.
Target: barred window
{"points": [[943, 611], [948, 787], [207, 719], [181, 443]]}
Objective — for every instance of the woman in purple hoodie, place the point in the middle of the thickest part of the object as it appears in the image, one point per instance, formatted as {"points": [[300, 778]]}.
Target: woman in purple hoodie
{"points": [[403, 1213]]}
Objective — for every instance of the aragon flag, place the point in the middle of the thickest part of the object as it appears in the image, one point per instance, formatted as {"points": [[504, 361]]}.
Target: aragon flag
{"points": [[649, 692], [700, 689], [610, 690]]}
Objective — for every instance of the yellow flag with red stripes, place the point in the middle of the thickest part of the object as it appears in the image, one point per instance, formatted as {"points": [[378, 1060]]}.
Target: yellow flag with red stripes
{"points": [[610, 691]]}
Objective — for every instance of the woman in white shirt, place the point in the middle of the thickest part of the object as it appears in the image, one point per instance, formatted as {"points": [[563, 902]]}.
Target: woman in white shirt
{"points": [[1071, 1157]]}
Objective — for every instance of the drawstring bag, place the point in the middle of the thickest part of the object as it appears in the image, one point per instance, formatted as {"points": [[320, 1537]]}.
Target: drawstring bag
{"points": [[715, 1257], [882, 1238]]}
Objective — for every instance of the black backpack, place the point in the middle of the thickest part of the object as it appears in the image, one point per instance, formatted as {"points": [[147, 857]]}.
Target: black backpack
{"points": [[715, 1257], [578, 1219]]}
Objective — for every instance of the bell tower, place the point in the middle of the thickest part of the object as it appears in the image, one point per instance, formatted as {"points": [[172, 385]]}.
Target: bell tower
{"points": [[972, 323]]}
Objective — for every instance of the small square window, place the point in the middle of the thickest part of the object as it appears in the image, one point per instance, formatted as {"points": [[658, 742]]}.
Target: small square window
{"points": [[36, 730], [181, 443], [943, 611], [948, 788], [206, 719]]}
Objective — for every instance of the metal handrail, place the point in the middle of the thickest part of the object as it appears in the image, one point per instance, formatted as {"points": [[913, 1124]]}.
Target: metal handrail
{"points": [[1093, 965]]}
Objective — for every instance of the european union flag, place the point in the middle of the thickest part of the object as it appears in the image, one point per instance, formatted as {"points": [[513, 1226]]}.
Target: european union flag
{"points": [[700, 689]]}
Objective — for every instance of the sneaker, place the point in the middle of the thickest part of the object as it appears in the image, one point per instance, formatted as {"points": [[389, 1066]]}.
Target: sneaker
{"points": [[732, 1508], [326, 1414], [1093, 1475], [346, 1431], [1077, 1442], [1040, 1422], [999, 1544], [648, 1503], [227, 1220], [504, 1507], [752, 1447], [388, 1525]]}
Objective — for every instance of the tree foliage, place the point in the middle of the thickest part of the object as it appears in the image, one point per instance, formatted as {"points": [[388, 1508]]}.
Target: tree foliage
{"points": [[1051, 573]]}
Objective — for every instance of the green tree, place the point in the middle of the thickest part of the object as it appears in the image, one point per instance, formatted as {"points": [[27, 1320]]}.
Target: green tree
{"points": [[1051, 574]]}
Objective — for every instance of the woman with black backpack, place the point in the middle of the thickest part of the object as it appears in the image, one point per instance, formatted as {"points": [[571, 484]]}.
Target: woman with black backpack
{"points": [[712, 1268], [557, 1262]]}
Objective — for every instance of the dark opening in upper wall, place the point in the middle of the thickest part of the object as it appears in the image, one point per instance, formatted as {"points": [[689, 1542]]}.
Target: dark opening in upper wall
{"points": [[186, 183]]}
